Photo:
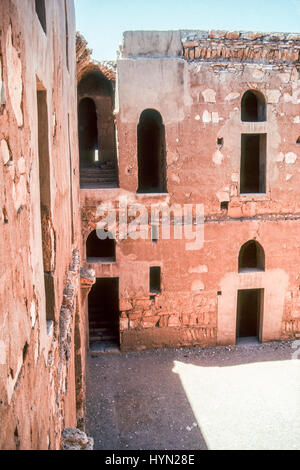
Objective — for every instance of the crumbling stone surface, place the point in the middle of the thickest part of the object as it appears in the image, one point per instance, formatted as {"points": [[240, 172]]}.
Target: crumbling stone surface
{"points": [[74, 439], [85, 63], [87, 278], [272, 48], [37, 372]]}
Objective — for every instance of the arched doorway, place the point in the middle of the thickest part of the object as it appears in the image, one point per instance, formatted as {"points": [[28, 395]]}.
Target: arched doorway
{"points": [[151, 153], [97, 144]]}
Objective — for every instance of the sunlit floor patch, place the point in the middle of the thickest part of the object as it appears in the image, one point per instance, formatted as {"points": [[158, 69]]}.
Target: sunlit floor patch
{"points": [[248, 406]]}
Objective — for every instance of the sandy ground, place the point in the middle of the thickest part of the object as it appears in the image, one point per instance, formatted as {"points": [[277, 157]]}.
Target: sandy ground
{"points": [[240, 397]]}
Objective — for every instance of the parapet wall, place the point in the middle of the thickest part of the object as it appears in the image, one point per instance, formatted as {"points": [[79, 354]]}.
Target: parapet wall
{"points": [[238, 46]]}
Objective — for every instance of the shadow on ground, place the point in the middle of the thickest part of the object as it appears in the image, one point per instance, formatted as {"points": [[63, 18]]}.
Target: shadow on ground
{"points": [[242, 397]]}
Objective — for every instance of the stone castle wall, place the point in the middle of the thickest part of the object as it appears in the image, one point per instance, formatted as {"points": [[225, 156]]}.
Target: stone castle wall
{"points": [[196, 81], [37, 363]]}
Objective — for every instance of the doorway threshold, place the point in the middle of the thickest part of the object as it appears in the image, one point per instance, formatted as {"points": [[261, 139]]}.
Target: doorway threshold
{"points": [[247, 341], [100, 347]]}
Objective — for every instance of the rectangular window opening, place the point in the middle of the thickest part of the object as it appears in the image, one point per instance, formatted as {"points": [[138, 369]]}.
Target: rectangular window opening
{"points": [[155, 280], [253, 163], [224, 205]]}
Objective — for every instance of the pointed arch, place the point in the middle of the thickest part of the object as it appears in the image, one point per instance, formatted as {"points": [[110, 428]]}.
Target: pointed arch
{"points": [[252, 256], [253, 106]]}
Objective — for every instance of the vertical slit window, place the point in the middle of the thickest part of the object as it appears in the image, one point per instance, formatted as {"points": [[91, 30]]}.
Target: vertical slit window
{"points": [[155, 280]]}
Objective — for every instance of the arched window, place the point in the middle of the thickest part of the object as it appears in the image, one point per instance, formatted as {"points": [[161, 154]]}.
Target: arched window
{"points": [[251, 257], [151, 153], [88, 132], [253, 106], [100, 251]]}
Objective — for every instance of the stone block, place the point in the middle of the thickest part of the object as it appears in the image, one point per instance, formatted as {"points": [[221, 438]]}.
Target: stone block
{"points": [[174, 320], [150, 322], [125, 305]]}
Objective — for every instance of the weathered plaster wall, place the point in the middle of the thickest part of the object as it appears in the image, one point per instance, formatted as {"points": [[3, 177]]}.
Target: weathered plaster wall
{"points": [[37, 366], [199, 98]]}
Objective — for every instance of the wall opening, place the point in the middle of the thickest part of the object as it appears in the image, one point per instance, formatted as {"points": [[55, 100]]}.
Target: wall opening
{"points": [[97, 140], [103, 307], [224, 206], [48, 240], [41, 13], [249, 313], [154, 233], [298, 141], [67, 34], [88, 132], [100, 251], [253, 163], [251, 257], [71, 182], [253, 107], [155, 280], [151, 153]]}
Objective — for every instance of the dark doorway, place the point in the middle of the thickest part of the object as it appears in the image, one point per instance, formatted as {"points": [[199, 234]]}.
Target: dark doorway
{"points": [[88, 132], [249, 313], [253, 163], [151, 153], [103, 304]]}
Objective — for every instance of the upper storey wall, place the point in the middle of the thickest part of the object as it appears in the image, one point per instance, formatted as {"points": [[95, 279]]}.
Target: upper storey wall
{"points": [[200, 100]]}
